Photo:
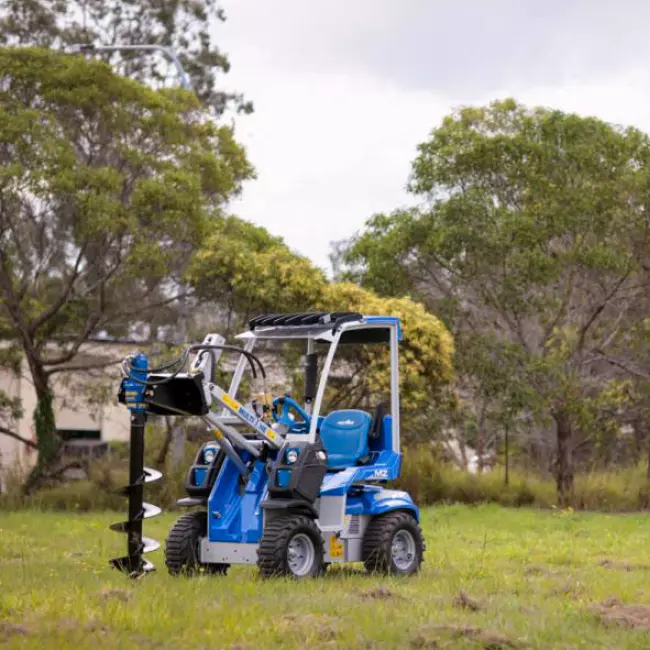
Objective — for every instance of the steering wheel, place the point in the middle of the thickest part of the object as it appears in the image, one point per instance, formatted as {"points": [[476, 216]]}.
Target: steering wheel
{"points": [[284, 417]]}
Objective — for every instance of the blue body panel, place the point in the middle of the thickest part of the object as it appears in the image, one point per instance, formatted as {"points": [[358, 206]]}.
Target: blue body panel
{"points": [[384, 467], [240, 517]]}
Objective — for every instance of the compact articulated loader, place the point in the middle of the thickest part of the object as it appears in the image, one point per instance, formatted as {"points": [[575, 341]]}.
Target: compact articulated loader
{"points": [[283, 485]]}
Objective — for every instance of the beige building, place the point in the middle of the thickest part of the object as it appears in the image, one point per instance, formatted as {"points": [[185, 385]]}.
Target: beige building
{"points": [[85, 404]]}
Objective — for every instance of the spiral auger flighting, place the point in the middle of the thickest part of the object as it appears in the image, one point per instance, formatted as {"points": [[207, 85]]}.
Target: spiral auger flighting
{"points": [[131, 394]]}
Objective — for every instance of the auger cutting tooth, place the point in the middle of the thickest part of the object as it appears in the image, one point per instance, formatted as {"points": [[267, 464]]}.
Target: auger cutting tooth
{"points": [[133, 565], [149, 545], [151, 475], [147, 567], [128, 563], [148, 511]]}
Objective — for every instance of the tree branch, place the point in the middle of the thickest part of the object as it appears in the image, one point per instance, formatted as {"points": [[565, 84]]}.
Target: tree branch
{"points": [[91, 323], [15, 436], [83, 367], [60, 301], [623, 366], [598, 311], [561, 311]]}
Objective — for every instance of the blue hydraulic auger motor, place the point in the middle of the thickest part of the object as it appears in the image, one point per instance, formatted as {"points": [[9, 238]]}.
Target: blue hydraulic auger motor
{"points": [[132, 394]]}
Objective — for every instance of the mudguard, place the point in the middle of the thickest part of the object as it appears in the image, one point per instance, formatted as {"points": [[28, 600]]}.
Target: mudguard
{"points": [[373, 500]]}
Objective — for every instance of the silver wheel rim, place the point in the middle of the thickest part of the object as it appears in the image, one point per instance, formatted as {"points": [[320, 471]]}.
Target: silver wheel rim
{"points": [[301, 554], [403, 550]]}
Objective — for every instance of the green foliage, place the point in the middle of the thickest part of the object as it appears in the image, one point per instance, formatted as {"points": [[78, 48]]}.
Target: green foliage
{"points": [[100, 490], [10, 408], [126, 178], [184, 26], [532, 247], [426, 350]]}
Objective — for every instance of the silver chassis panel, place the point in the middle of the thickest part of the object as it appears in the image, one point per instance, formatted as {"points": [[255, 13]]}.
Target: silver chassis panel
{"points": [[227, 552], [343, 547]]}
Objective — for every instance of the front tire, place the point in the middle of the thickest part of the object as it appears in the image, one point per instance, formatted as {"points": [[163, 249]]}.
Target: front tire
{"points": [[291, 546], [182, 547], [393, 544]]}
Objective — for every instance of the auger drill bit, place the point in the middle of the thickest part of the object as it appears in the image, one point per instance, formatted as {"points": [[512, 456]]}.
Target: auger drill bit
{"points": [[131, 393]]}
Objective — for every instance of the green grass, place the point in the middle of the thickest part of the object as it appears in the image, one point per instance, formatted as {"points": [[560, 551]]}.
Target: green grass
{"points": [[535, 576]]}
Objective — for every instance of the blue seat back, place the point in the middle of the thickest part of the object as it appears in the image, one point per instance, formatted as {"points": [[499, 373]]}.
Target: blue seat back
{"points": [[345, 437]]}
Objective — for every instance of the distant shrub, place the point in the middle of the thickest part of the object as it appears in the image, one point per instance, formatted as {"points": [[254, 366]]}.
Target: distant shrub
{"points": [[425, 476], [430, 480]]}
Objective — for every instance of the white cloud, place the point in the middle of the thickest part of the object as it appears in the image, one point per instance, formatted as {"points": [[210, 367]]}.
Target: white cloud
{"points": [[332, 143], [329, 152], [620, 99]]}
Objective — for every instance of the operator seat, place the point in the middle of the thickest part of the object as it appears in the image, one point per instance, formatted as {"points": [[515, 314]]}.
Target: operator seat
{"points": [[344, 435]]}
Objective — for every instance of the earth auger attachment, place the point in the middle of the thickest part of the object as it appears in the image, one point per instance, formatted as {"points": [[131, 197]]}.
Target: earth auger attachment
{"points": [[151, 390], [132, 394]]}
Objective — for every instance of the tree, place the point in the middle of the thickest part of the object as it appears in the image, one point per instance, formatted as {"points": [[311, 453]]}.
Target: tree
{"points": [[106, 189], [533, 240], [245, 270], [185, 26]]}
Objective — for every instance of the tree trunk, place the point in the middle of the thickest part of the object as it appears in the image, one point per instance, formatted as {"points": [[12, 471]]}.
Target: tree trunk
{"points": [[178, 445], [174, 441], [48, 442], [164, 450], [648, 469], [564, 461], [507, 456], [480, 441]]}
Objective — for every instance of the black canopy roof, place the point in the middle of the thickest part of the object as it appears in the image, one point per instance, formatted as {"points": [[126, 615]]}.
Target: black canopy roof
{"points": [[333, 318]]}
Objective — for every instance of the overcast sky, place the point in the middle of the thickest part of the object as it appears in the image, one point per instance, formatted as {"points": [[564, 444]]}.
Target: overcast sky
{"points": [[345, 89]]}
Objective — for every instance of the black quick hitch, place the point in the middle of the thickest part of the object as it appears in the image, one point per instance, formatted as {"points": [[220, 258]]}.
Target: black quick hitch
{"points": [[132, 394]]}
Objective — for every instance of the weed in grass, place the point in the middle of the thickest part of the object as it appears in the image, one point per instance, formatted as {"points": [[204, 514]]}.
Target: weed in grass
{"points": [[613, 612], [463, 601], [431, 637], [378, 593]]}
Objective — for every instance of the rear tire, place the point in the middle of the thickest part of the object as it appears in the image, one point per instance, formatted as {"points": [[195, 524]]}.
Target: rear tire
{"points": [[393, 544], [182, 547], [291, 546]]}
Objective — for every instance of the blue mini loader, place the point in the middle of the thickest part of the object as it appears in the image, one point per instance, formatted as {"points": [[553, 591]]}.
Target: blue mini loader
{"points": [[282, 485]]}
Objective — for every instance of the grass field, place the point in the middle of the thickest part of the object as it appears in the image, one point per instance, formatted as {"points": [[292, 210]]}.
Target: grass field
{"points": [[493, 578]]}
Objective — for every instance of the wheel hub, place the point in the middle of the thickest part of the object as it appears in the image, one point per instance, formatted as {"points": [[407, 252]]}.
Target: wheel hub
{"points": [[300, 554], [403, 549]]}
